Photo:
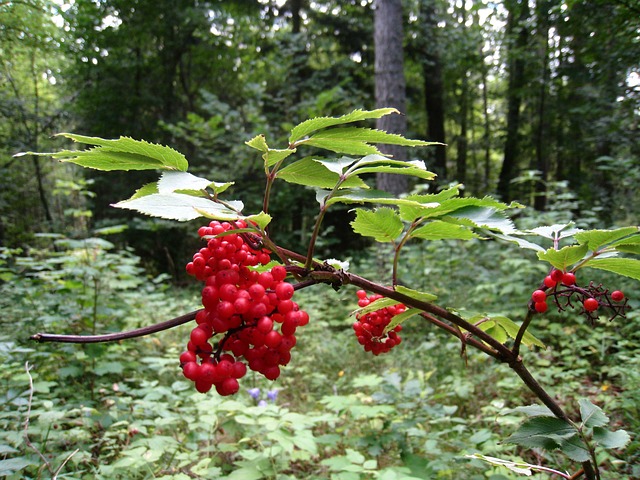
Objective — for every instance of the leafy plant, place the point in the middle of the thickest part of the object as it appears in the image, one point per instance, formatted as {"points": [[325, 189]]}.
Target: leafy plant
{"points": [[228, 335]]}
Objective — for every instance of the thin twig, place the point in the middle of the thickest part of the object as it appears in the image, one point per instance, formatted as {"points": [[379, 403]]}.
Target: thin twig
{"points": [[27, 441], [112, 337]]}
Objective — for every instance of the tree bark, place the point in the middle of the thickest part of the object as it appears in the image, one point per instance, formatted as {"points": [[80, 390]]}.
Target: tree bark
{"points": [[433, 85], [518, 13], [390, 84]]}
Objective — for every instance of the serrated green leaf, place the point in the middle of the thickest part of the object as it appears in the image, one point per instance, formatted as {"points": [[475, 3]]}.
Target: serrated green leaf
{"points": [[633, 249], [416, 294], [358, 141], [122, 154], [218, 188], [591, 415], [401, 317], [512, 329], [628, 267], [439, 230], [176, 206], [543, 432], [415, 168], [383, 224], [599, 238], [274, 156], [259, 142], [309, 126], [485, 208], [608, 439], [314, 174], [575, 449], [365, 196], [565, 257]]}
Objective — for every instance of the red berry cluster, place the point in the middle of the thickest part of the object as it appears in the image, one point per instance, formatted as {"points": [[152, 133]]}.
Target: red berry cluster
{"points": [[369, 328], [591, 297], [244, 306]]}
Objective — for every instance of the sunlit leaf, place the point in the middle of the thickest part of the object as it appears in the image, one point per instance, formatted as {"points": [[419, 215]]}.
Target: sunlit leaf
{"points": [[565, 257], [439, 230], [595, 239], [122, 154], [383, 224], [309, 126], [629, 267]]}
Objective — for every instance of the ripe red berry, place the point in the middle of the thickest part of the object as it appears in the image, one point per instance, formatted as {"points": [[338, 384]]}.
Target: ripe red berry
{"points": [[568, 279], [556, 275], [617, 296], [540, 307], [284, 291], [539, 296], [549, 282], [590, 304]]}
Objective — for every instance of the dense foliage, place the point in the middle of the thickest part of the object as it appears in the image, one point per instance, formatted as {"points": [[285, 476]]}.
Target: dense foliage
{"points": [[537, 102]]}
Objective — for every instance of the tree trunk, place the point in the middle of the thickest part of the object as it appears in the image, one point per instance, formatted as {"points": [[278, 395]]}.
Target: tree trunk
{"points": [[433, 85], [518, 13], [462, 142], [541, 142], [390, 84]]}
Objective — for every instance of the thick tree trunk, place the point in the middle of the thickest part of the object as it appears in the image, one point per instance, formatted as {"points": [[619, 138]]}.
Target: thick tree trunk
{"points": [[541, 142], [433, 85], [518, 13], [390, 83]]}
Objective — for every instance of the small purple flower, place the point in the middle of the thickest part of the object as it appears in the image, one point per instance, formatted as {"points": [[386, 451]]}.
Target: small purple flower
{"points": [[254, 393], [262, 403], [272, 395]]}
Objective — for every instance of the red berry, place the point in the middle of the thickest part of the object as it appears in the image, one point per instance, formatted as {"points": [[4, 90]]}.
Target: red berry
{"points": [[550, 282], [556, 275], [568, 279], [540, 307], [617, 296], [284, 291], [590, 304], [539, 296]]}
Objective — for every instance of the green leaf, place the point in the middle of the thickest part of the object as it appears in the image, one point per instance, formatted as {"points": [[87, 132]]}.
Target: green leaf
{"points": [[365, 196], [336, 165], [310, 173], [177, 206], [261, 219], [259, 142], [439, 230], [376, 305], [401, 317], [478, 211], [555, 232], [171, 181], [309, 126], [595, 239], [357, 141], [383, 224], [591, 415], [381, 164], [543, 432], [122, 154], [532, 410], [512, 329], [12, 465], [517, 467], [483, 217], [629, 267], [608, 439], [575, 449], [519, 241], [147, 189], [565, 257], [415, 294]]}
